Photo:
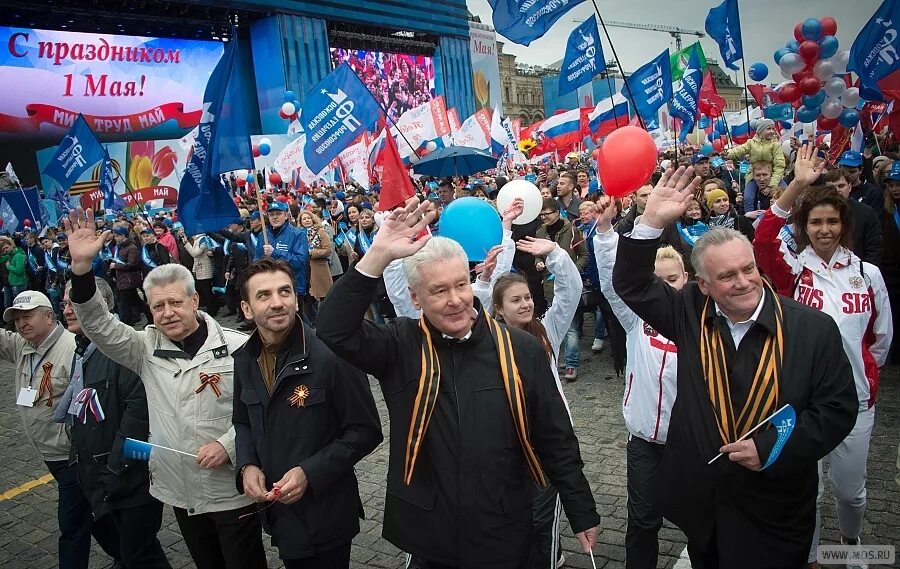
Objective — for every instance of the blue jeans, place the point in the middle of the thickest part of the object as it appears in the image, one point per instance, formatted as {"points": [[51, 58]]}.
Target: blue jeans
{"points": [[74, 515], [571, 348], [10, 292]]}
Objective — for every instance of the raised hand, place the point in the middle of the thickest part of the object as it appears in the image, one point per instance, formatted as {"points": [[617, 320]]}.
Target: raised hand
{"points": [[535, 246], [398, 237], [513, 211], [84, 243], [670, 198], [485, 269], [808, 167], [607, 213]]}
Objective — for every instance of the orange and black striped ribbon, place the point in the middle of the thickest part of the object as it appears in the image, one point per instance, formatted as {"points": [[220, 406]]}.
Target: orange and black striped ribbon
{"points": [[211, 380], [762, 399], [46, 383], [429, 384]]}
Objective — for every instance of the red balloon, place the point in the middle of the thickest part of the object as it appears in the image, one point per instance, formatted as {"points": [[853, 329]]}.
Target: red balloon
{"points": [[829, 26], [241, 182], [256, 151], [596, 154], [718, 145], [798, 33], [789, 92], [825, 123], [810, 86], [274, 178], [626, 160], [797, 104], [282, 115], [27, 223], [809, 51]]}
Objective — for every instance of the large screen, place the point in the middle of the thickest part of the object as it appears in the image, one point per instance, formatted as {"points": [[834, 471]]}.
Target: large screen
{"points": [[400, 82], [125, 86]]}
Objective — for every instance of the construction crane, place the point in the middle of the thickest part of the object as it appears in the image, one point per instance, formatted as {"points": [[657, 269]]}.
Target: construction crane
{"points": [[673, 31]]}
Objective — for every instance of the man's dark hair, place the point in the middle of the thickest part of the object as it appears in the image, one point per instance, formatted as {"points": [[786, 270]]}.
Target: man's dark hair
{"points": [[550, 204], [834, 175], [570, 176], [263, 265], [446, 183]]}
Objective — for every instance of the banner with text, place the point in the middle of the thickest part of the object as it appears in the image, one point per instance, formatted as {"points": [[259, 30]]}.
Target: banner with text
{"points": [[485, 67]]}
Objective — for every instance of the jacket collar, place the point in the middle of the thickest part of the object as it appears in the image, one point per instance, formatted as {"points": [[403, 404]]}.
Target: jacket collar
{"points": [[479, 328], [295, 345], [215, 342], [765, 317]]}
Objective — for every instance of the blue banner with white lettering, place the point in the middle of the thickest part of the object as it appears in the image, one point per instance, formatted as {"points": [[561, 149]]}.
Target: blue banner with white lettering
{"points": [[784, 421], [584, 57], [651, 86], [336, 111], [111, 200], [79, 151], [222, 145], [723, 24], [875, 54], [523, 21], [685, 100]]}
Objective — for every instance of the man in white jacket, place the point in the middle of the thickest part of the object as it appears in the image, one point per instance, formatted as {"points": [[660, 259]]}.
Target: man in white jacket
{"points": [[184, 359]]}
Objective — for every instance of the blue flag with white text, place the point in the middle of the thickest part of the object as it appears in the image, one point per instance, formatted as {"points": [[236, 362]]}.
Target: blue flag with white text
{"points": [[336, 111], [523, 21], [584, 57], [111, 200], [651, 86], [723, 24], [685, 100], [784, 421], [222, 145], [78, 151], [875, 54]]}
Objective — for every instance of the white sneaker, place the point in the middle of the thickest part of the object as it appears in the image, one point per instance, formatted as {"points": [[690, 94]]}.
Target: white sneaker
{"points": [[857, 562], [597, 346]]}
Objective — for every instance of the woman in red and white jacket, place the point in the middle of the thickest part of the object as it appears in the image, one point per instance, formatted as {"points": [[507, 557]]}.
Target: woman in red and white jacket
{"points": [[650, 389], [825, 274]]}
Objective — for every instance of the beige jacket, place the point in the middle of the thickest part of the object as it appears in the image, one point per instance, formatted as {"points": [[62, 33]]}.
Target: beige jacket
{"points": [[54, 358], [180, 417], [203, 264]]}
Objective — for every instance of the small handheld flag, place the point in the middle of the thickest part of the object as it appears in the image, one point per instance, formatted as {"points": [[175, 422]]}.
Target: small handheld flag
{"points": [[140, 450], [781, 418]]}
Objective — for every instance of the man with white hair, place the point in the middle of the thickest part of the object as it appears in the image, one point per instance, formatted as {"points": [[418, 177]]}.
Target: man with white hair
{"points": [[476, 416], [185, 361]]}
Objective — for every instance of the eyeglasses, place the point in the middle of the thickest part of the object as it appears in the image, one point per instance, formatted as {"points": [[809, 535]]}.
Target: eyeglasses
{"points": [[63, 304], [548, 213]]}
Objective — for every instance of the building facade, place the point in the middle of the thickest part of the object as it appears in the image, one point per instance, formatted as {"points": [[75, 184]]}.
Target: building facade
{"points": [[522, 88]]}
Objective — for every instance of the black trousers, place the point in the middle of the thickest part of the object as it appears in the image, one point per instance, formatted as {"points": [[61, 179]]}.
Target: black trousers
{"points": [[223, 540], [644, 517], [131, 306], [338, 558], [135, 531], [544, 530], [207, 296]]}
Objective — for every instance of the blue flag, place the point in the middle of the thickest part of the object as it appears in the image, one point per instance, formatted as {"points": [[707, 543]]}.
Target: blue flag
{"points": [[784, 421], [336, 111], [875, 54], [523, 21], [583, 59], [651, 86], [222, 145], [136, 450], [723, 24], [685, 100], [79, 151], [111, 200]]}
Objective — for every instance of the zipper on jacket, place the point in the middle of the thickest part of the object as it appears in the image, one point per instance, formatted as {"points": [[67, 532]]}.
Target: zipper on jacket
{"points": [[628, 391]]}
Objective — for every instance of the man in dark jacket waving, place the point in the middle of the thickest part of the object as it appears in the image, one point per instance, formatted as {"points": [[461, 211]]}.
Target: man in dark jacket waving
{"points": [[476, 419], [302, 417], [743, 353]]}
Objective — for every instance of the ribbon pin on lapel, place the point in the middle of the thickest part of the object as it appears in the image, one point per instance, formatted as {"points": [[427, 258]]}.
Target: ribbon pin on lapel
{"points": [[298, 398], [212, 380]]}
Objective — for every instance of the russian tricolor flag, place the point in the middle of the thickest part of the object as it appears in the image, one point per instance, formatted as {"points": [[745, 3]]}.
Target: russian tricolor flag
{"points": [[563, 129], [608, 115]]}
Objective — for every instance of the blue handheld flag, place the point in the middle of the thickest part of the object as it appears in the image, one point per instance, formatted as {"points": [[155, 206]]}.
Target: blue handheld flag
{"points": [[784, 420], [723, 24], [523, 21], [584, 57], [651, 86], [336, 111], [136, 450], [875, 54]]}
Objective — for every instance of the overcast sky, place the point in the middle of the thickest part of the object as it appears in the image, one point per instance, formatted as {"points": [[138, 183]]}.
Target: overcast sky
{"points": [[766, 25]]}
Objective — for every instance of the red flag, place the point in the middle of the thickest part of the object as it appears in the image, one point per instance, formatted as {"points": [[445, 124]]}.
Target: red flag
{"points": [[711, 103], [764, 95], [396, 187]]}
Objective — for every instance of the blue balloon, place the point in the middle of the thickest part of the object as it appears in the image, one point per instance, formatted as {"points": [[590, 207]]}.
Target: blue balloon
{"points": [[148, 207], [779, 53], [474, 224], [813, 101], [289, 96], [812, 29], [704, 122], [715, 135], [251, 178], [758, 71], [828, 46], [808, 115], [792, 46], [707, 149], [849, 118], [264, 149]]}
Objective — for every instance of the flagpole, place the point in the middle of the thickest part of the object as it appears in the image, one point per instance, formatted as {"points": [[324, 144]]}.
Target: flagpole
{"points": [[262, 215], [746, 101], [388, 117], [619, 63], [31, 211], [677, 135]]}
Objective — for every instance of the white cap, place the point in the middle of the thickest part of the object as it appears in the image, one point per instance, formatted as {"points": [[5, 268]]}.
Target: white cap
{"points": [[26, 300]]}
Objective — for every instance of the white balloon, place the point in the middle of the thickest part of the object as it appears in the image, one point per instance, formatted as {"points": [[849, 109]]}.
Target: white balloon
{"points": [[840, 61], [850, 97], [823, 70], [242, 174], [288, 108], [265, 141], [431, 146], [835, 87], [792, 63], [831, 108], [529, 193], [786, 148], [785, 74]]}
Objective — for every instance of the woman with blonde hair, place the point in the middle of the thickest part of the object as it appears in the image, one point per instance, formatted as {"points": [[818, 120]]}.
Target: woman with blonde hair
{"points": [[320, 247]]}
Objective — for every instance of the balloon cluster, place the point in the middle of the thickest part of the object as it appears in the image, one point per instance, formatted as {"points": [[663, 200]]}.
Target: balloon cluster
{"points": [[263, 148], [815, 66], [290, 109]]}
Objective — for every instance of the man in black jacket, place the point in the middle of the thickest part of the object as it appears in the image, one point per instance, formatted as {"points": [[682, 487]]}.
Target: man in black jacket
{"points": [[237, 256], [302, 417], [153, 253], [476, 417], [743, 352], [104, 404], [868, 237]]}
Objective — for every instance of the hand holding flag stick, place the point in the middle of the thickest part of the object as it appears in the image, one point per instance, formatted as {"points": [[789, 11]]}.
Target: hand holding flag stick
{"points": [[754, 429]]}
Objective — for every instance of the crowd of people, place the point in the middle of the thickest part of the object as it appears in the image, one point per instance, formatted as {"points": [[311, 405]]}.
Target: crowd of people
{"points": [[720, 297]]}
